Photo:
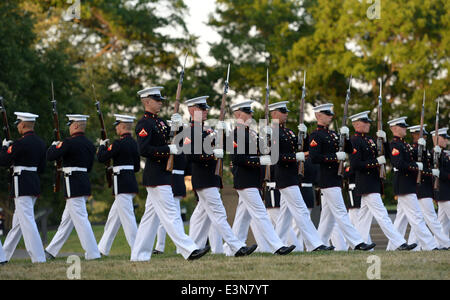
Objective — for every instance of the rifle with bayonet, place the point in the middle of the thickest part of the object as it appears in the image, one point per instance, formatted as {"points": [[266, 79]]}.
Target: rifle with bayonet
{"points": [[7, 134], [436, 156], [103, 136], [301, 134], [220, 134], [421, 148], [57, 137], [344, 123], [169, 166], [380, 141], [267, 139]]}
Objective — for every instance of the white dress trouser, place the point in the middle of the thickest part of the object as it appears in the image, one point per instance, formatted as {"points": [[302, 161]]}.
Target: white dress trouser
{"points": [[338, 239], [2, 254], [293, 206], [75, 215], [408, 211], [215, 241], [335, 212], [431, 219], [161, 207], [161, 235], [121, 213], [252, 212], [372, 205], [210, 211], [24, 224], [444, 216]]}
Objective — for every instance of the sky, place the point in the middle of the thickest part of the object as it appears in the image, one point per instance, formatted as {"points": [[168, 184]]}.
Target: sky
{"points": [[199, 11]]}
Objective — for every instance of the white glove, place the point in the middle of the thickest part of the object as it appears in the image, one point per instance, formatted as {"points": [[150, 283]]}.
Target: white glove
{"points": [[55, 143], [6, 143], [341, 155], [381, 160], [436, 172], [302, 128], [345, 131], [177, 122], [422, 142], [221, 125], [266, 130], [437, 150], [382, 135], [104, 142], [420, 166], [173, 149], [218, 153], [300, 156], [265, 160]]}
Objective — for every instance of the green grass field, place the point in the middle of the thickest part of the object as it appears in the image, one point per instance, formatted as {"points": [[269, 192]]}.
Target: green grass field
{"points": [[334, 265]]}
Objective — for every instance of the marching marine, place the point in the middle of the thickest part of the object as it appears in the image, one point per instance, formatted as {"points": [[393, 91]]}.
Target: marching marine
{"points": [[77, 154], [209, 210], [153, 141], [405, 187], [27, 158], [126, 162], [366, 163], [324, 150]]}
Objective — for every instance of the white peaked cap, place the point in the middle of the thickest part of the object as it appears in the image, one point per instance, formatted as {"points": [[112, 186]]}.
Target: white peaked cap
{"points": [[278, 105], [324, 108], [416, 128], [26, 117], [361, 116], [124, 118], [196, 101], [244, 104], [398, 121], [442, 132], [152, 91], [78, 118]]}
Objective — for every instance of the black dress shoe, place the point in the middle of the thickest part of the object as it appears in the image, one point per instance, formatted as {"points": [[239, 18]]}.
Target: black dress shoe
{"points": [[251, 249], [330, 248], [199, 253], [403, 247], [48, 256], [365, 247], [156, 252], [244, 251], [3, 263], [285, 250], [321, 248], [412, 246]]}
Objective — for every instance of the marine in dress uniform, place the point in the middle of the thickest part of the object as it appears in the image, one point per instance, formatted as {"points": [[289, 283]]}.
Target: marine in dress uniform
{"points": [[324, 150], [369, 186], [247, 174], [443, 173], [209, 210], [405, 187], [77, 154], [153, 135], [286, 178], [425, 191], [126, 162], [27, 158]]}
